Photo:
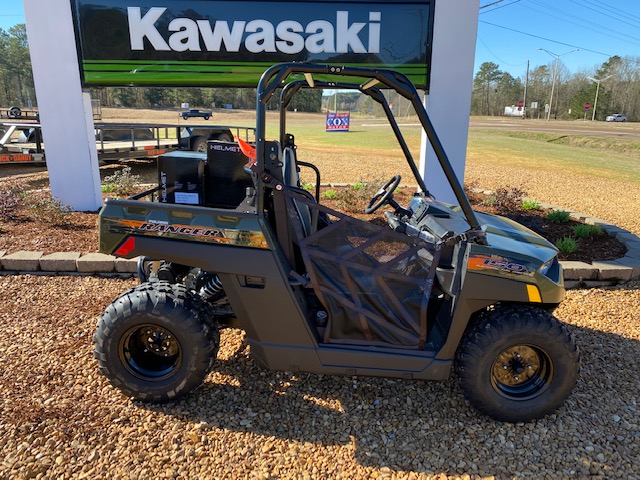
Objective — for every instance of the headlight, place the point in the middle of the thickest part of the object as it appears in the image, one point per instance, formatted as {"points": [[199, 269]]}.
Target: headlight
{"points": [[551, 269]]}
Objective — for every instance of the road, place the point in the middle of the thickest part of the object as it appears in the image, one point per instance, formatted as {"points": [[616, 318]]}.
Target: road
{"points": [[575, 127]]}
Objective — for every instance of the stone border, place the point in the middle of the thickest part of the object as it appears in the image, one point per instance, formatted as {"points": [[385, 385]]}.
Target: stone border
{"points": [[576, 274]]}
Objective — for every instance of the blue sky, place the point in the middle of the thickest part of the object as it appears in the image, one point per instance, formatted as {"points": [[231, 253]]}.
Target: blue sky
{"points": [[600, 28], [510, 32]]}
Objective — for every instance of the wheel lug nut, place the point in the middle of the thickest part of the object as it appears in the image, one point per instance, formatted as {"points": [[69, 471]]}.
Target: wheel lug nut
{"points": [[166, 354], [516, 377], [504, 366], [146, 350], [517, 354], [529, 367]]}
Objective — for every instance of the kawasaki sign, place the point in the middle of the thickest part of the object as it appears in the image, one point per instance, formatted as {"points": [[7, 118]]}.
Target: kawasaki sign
{"points": [[206, 42]]}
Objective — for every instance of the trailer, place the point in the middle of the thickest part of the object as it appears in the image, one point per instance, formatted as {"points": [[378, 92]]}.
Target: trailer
{"points": [[23, 142], [21, 114]]}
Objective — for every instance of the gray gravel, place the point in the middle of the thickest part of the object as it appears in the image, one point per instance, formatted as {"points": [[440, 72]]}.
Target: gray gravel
{"points": [[61, 419]]}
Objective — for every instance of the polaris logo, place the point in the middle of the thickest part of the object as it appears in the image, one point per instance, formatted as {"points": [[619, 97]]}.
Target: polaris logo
{"points": [[289, 36]]}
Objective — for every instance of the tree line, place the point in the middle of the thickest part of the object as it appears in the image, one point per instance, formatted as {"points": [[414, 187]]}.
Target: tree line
{"points": [[493, 89], [17, 87], [619, 92]]}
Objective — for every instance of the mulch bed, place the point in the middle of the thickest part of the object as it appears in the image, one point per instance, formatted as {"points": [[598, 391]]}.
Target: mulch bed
{"points": [[81, 233]]}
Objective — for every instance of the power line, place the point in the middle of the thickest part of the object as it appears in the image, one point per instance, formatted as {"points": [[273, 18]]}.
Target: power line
{"points": [[490, 4], [497, 57], [589, 24], [498, 8], [613, 9], [598, 9], [544, 38]]}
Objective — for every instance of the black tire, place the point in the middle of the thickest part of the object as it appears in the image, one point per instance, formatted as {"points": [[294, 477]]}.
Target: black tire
{"points": [[517, 363], [185, 117], [15, 112], [199, 144], [207, 117], [224, 137], [156, 342]]}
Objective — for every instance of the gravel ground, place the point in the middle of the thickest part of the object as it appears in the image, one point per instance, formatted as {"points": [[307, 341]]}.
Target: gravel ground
{"points": [[61, 419]]}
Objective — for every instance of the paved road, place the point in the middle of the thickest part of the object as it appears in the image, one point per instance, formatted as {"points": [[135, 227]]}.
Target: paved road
{"points": [[576, 127]]}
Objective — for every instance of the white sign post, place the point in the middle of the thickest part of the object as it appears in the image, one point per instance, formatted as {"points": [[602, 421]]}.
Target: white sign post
{"points": [[65, 111], [449, 101]]}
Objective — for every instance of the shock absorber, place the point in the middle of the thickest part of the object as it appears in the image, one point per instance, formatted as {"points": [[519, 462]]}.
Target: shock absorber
{"points": [[212, 288]]}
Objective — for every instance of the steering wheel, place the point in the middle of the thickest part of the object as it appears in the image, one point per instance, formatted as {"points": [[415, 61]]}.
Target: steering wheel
{"points": [[384, 195]]}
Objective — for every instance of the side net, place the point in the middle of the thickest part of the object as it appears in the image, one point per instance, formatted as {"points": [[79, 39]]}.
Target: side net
{"points": [[375, 283]]}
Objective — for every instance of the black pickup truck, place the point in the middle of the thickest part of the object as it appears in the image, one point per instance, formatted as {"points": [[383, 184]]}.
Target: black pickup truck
{"points": [[195, 113]]}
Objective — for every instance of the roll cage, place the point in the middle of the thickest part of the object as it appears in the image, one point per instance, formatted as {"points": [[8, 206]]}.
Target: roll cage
{"points": [[366, 81]]}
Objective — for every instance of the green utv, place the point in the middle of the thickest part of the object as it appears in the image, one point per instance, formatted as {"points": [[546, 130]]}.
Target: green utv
{"points": [[229, 241]]}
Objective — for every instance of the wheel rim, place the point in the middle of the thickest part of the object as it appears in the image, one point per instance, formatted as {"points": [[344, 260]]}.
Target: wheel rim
{"points": [[521, 372], [150, 352]]}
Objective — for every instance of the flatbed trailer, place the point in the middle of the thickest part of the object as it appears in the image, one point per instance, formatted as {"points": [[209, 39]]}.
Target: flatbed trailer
{"points": [[23, 143], [21, 114]]}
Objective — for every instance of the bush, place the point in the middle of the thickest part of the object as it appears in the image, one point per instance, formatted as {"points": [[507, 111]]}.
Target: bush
{"points": [[506, 199], [558, 216], [46, 209], [567, 244], [329, 194], [122, 182], [530, 205], [584, 230], [9, 203]]}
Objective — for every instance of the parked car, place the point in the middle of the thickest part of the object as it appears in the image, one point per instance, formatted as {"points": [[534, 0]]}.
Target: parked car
{"points": [[195, 113], [616, 117]]}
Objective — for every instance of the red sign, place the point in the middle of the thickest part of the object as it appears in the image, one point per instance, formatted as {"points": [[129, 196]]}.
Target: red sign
{"points": [[587, 106], [520, 104]]}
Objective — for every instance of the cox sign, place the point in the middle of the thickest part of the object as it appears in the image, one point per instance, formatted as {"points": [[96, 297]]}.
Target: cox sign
{"points": [[338, 122]]}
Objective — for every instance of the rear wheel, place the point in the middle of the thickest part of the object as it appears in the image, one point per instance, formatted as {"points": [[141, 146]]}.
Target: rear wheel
{"points": [[199, 144], [224, 137], [517, 363], [156, 342]]}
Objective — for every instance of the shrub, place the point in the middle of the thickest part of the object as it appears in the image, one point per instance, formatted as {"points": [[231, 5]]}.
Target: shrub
{"points": [[358, 186], [46, 209], [584, 230], [558, 216], [308, 186], [9, 203], [530, 205], [329, 194], [508, 199], [122, 182], [567, 244]]}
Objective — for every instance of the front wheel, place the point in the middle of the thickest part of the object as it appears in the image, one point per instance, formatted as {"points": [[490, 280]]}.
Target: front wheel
{"points": [[156, 342], [517, 363]]}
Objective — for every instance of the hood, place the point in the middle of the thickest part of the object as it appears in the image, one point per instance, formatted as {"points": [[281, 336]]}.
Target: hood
{"points": [[509, 236]]}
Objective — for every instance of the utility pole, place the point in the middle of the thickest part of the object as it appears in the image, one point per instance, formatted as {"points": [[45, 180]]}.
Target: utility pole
{"points": [[555, 75], [524, 101], [595, 103]]}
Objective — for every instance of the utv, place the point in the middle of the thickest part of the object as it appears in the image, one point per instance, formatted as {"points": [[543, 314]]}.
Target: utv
{"points": [[231, 240]]}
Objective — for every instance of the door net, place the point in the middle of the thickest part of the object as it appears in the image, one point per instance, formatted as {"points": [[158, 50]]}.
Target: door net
{"points": [[375, 283]]}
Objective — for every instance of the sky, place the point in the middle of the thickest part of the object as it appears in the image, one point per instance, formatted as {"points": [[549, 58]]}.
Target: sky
{"points": [[510, 32]]}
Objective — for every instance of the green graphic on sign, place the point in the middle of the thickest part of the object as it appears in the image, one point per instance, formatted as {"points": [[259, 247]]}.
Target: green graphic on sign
{"points": [[230, 43]]}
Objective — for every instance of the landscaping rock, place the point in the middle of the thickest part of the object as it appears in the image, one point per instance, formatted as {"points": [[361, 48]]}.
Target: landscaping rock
{"points": [[59, 262], [95, 263], [22, 261]]}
